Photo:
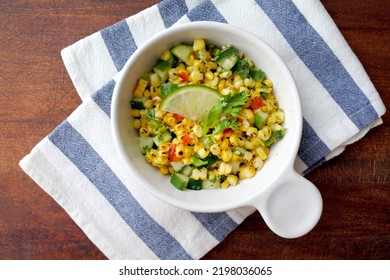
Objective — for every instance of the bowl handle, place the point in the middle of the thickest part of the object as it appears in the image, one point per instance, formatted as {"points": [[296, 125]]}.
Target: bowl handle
{"points": [[291, 207]]}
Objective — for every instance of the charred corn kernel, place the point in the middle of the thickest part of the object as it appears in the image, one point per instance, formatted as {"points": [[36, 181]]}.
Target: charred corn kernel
{"points": [[137, 123], [224, 144], [196, 76], [141, 86], [247, 156], [252, 131], [261, 153], [267, 130], [226, 155], [143, 132], [166, 55], [165, 146], [198, 131], [268, 83], [246, 171], [148, 103], [232, 179], [199, 174], [203, 152], [170, 120], [135, 113], [225, 168], [215, 149], [233, 139], [258, 163], [204, 55], [179, 151], [241, 141]]}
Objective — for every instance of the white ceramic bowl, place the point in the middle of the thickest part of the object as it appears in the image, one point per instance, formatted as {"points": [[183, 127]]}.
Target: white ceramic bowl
{"points": [[290, 205]]}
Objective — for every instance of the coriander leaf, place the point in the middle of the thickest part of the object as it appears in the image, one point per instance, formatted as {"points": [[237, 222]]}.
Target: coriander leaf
{"points": [[224, 112], [241, 68]]}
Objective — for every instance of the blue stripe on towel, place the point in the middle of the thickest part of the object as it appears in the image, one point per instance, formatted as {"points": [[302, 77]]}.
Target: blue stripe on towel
{"points": [[206, 11], [172, 11], [119, 42], [320, 59], [311, 149], [218, 225], [87, 160], [103, 97]]}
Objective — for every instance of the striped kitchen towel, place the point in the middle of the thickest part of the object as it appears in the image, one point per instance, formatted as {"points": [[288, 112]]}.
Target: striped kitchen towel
{"points": [[77, 163]]}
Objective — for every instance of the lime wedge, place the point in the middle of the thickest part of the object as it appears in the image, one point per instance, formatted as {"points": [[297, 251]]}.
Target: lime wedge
{"points": [[190, 101]]}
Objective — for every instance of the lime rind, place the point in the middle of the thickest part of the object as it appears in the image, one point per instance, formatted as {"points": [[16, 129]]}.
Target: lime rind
{"points": [[190, 101]]}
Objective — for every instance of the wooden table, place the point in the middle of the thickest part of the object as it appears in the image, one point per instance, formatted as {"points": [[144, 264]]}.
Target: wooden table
{"points": [[37, 94]]}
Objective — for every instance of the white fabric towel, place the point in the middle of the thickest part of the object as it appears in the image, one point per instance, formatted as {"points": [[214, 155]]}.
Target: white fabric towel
{"points": [[77, 163]]}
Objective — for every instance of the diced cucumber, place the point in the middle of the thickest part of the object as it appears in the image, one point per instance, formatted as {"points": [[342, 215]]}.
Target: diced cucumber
{"points": [[257, 74], [166, 89], [275, 137], [187, 170], [227, 58], [161, 68], [162, 138], [182, 52], [194, 184], [205, 162], [138, 102], [260, 119], [177, 165], [179, 181], [207, 184], [144, 144]]}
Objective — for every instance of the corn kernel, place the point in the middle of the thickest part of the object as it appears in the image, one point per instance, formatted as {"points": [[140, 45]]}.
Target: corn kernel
{"points": [[198, 131], [215, 149], [199, 44], [258, 163], [225, 168], [246, 171], [166, 55], [232, 179], [203, 152], [137, 124], [226, 155]]}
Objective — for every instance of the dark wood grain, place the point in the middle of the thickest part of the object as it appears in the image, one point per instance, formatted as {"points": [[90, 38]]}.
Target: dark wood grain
{"points": [[37, 94]]}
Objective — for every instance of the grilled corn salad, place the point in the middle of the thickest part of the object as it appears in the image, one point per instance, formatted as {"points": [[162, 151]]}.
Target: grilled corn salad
{"points": [[206, 116]]}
